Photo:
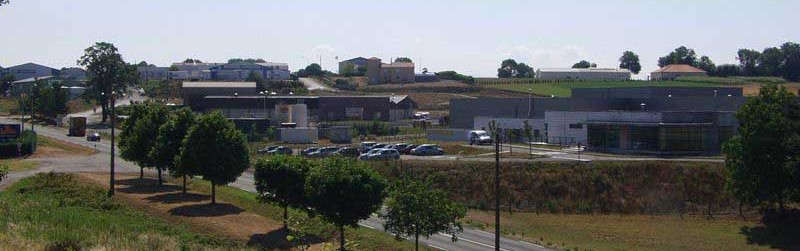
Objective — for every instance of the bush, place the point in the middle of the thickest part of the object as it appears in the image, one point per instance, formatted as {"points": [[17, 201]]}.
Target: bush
{"points": [[375, 127], [343, 84], [452, 75], [27, 147]]}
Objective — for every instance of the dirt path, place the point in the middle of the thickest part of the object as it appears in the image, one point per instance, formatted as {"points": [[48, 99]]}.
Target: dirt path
{"points": [[222, 219]]}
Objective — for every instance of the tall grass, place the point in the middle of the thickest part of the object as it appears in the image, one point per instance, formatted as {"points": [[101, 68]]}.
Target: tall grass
{"points": [[59, 212]]}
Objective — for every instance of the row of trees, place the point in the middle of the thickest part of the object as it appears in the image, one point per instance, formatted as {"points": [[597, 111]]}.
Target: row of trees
{"points": [[783, 61], [509, 68], [343, 191], [208, 146], [47, 99]]}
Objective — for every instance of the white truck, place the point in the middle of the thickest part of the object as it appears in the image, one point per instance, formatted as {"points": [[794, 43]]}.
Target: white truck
{"points": [[479, 137]]}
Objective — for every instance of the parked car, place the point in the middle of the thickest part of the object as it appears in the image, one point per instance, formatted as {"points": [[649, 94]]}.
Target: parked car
{"points": [[407, 149], [398, 146], [378, 146], [366, 146], [93, 136], [365, 156], [351, 152], [267, 149], [383, 154], [281, 150], [427, 150], [323, 152], [479, 137], [307, 151]]}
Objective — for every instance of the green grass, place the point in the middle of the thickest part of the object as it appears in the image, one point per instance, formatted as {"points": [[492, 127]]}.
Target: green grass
{"points": [[362, 238], [18, 165], [43, 141], [564, 89], [61, 212], [640, 232]]}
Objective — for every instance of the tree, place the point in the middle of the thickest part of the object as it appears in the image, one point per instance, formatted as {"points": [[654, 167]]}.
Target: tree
{"points": [[136, 113], [706, 64], [725, 70], [524, 71], [348, 70], [50, 100], [139, 141], [314, 70], [762, 161], [5, 82], [417, 209], [791, 61], [216, 150], [748, 60], [584, 64], [173, 68], [281, 180], [770, 62], [681, 55], [402, 60], [507, 69], [527, 130], [106, 74], [192, 61], [248, 60], [630, 61], [144, 64], [344, 191], [168, 142], [255, 77]]}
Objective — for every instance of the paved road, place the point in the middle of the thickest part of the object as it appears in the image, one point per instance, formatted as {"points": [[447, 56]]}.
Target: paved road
{"points": [[469, 240], [314, 84], [94, 117], [573, 154]]}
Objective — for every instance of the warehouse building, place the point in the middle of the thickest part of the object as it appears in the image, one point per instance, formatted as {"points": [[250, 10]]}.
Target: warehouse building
{"points": [[673, 71], [580, 74], [651, 120]]}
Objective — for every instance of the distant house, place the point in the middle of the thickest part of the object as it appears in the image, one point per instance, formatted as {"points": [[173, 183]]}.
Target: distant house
{"points": [[673, 71], [583, 74], [241, 70], [382, 73], [30, 71], [359, 65]]}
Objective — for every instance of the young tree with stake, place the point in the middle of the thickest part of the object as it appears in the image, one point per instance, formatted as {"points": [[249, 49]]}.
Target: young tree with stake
{"points": [[281, 180], [167, 146]]}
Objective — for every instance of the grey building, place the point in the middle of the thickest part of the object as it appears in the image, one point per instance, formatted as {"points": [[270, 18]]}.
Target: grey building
{"points": [[241, 70], [359, 65], [30, 70], [583, 74], [657, 120], [194, 92]]}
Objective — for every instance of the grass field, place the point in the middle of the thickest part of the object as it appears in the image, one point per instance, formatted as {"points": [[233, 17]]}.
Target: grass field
{"points": [[17, 165], [563, 89], [640, 232], [63, 147], [8, 106], [61, 212]]}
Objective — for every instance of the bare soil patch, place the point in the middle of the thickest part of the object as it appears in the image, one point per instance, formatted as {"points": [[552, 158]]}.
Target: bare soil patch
{"points": [[223, 219]]}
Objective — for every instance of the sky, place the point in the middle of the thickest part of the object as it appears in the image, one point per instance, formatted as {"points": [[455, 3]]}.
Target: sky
{"points": [[471, 37]]}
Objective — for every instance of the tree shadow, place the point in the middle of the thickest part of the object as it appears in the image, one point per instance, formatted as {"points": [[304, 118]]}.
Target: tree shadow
{"points": [[206, 210], [172, 198], [144, 186], [777, 234], [276, 239]]}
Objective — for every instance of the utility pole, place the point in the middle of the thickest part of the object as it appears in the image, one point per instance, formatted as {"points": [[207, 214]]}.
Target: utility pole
{"points": [[113, 120], [496, 191]]}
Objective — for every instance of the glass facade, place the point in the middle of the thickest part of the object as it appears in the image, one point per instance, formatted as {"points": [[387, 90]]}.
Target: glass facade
{"points": [[655, 137]]}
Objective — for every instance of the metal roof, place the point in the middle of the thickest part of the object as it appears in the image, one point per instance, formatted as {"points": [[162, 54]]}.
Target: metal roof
{"points": [[219, 84], [680, 68]]}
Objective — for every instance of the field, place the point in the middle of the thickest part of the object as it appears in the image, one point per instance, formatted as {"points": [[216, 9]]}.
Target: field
{"points": [[641, 232], [563, 89], [62, 212]]}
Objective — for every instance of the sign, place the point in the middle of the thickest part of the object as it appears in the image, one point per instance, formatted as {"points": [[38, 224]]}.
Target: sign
{"points": [[9, 131]]}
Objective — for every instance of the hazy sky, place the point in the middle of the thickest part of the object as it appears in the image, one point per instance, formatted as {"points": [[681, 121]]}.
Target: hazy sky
{"points": [[467, 36]]}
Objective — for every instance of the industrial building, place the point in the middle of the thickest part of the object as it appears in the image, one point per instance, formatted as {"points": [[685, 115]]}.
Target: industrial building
{"points": [[238, 71], [649, 120], [570, 74], [673, 71], [30, 71]]}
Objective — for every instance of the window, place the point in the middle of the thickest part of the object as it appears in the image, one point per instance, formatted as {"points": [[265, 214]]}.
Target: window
{"points": [[575, 126]]}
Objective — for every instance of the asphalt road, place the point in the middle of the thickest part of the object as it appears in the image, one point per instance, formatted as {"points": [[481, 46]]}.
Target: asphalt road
{"points": [[314, 84], [469, 240]]}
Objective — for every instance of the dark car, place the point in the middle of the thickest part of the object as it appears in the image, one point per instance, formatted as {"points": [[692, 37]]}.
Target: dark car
{"points": [[281, 150], [350, 152], [427, 150], [94, 136], [399, 147], [307, 151], [267, 149], [407, 149]]}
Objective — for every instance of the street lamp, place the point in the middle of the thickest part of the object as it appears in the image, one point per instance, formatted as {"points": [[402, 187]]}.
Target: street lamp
{"points": [[530, 101]]}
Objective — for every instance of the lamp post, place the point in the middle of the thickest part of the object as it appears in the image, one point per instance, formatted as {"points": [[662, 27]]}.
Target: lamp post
{"points": [[113, 124], [530, 101]]}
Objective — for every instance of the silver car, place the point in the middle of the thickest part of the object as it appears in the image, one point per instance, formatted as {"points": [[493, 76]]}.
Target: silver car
{"points": [[384, 154], [427, 150]]}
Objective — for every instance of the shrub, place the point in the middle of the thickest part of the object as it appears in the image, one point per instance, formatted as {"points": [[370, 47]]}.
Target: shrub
{"points": [[452, 75], [343, 84], [28, 145]]}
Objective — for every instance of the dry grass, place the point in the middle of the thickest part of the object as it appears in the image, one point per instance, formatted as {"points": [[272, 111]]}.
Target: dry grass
{"points": [[639, 232], [49, 147], [18, 165]]}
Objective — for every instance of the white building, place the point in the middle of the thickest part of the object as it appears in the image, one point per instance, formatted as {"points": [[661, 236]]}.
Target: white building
{"points": [[583, 74]]}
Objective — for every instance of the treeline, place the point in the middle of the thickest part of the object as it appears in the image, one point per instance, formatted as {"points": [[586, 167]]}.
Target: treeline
{"points": [[572, 187], [452, 75]]}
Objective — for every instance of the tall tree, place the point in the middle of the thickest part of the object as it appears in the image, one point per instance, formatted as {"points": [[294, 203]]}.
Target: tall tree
{"points": [[168, 142], [680, 55], [5, 82], [314, 70], [417, 209], [144, 64], [402, 60], [281, 180], [50, 99], [216, 150], [791, 61], [508, 69], [106, 74], [344, 191], [725, 70], [748, 60], [584, 64], [524, 71], [706, 64], [139, 142], [630, 61], [770, 62], [125, 136], [762, 161]]}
